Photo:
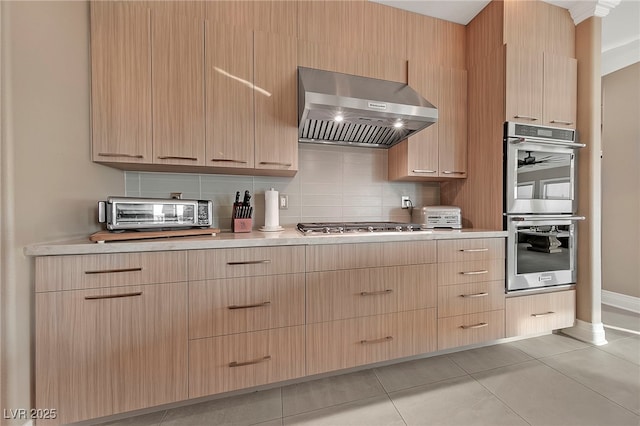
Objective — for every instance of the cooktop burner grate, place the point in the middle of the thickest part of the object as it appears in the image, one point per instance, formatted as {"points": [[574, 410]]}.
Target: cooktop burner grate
{"points": [[352, 227]]}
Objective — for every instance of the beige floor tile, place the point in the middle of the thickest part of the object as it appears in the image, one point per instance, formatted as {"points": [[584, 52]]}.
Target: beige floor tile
{"points": [[330, 391], [151, 419], [419, 372], [489, 357], [627, 348], [610, 376], [459, 401], [276, 422], [247, 409], [550, 344], [543, 396], [612, 334], [369, 412]]}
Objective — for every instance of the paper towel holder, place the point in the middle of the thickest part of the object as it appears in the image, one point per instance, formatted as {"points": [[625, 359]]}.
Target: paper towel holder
{"points": [[270, 211]]}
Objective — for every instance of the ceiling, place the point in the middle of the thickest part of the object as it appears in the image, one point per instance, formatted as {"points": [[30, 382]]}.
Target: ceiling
{"points": [[620, 28]]}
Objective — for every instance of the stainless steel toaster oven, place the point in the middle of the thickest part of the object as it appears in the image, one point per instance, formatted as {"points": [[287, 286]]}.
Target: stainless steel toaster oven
{"points": [[129, 213]]}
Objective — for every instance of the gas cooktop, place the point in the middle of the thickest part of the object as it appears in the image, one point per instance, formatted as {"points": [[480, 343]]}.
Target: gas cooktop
{"points": [[353, 227]]}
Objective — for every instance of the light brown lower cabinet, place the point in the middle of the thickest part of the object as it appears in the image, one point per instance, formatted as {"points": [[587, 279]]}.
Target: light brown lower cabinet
{"points": [[465, 330], [348, 343], [237, 361], [540, 312], [471, 298], [110, 350]]}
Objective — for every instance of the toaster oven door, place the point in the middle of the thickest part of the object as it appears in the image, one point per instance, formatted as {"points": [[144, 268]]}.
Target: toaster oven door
{"points": [[152, 215]]}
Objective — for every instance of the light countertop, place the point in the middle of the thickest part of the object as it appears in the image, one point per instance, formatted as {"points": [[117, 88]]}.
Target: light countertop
{"points": [[290, 236]]}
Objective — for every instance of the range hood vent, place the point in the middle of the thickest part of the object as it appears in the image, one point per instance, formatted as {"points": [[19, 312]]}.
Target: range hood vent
{"points": [[345, 109]]}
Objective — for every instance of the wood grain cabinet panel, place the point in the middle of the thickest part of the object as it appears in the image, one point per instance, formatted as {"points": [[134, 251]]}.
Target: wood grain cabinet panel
{"points": [[560, 91], [524, 85], [469, 329], [237, 361], [470, 272], [109, 270], [106, 351], [178, 86], [452, 130], [332, 23], [229, 96], [333, 295], [245, 262], [121, 82], [470, 249], [540, 312], [347, 343], [236, 305], [275, 97], [471, 298]]}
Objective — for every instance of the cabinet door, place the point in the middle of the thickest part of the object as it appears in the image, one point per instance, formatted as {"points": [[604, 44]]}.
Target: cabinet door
{"points": [[422, 157], [121, 82], [276, 84], [178, 86], [560, 91], [452, 130], [111, 350], [523, 100], [229, 96]]}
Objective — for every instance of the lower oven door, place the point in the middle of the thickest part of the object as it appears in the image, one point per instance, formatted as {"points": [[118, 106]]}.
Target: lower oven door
{"points": [[541, 251]]}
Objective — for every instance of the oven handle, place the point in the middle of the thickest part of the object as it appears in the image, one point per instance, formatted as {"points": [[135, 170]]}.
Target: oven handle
{"points": [[540, 218], [517, 140]]}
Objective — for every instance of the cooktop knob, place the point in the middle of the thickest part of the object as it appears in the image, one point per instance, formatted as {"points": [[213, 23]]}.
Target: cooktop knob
{"points": [[399, 228], [370, 228], [327, 230]]}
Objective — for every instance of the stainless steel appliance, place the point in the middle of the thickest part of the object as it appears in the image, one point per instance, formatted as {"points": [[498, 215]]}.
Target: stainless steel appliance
{"points": [[129, 213], [320, 228], [344, 109], [540, 170], [437, 217]]}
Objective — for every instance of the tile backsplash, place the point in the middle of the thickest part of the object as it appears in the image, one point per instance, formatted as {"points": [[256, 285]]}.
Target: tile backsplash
{"points": [[333, 183]]}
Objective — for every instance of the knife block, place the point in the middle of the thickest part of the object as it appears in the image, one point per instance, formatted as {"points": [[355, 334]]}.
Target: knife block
{"points": [[241, 225]]}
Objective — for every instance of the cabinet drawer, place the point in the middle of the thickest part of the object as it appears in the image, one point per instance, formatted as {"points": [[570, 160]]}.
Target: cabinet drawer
{"points": [[540, 312], [366, 255], [470, 272], [465, 299], [347, 343], [465, 330], [333, 295], [237, 305], [236, 361], [245, 262], [109, 270], [470, 249]]}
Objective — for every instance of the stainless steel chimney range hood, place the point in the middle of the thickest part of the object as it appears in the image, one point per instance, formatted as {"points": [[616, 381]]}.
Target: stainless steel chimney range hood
{"points": [[344, 109]]}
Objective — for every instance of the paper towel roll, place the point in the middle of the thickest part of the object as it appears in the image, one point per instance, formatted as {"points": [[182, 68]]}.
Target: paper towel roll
{"points": [[271, 219]]}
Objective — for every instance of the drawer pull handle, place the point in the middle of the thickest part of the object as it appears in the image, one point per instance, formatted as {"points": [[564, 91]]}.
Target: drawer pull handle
{"points": [[113, 154], [484, 271], [275, 163], [176, 157], [422, 171], [525, 117], [568, 123], [381, 340], [252, 362], [479, 325], [543, 314], [114, 296], [113, 271], [474, 295], [228, 160], [376, 293], [474, 250], [255, 305], [249, 262], [453, 172]]}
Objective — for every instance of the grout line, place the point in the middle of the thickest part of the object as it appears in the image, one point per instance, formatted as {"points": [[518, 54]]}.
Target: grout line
{"points": [[501, 400]]}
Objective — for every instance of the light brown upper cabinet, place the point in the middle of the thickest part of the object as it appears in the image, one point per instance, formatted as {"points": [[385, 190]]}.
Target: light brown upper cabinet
{"points": [[438, 152], [178, 87], [275, 95], [121, 82], [541, 88], [229, 96]]}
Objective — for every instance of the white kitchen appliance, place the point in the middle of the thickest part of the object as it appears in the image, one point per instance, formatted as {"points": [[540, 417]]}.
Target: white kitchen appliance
{"points": [[431, 217]]}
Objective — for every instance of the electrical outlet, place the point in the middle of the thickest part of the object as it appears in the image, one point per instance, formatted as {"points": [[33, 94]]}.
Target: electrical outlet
{"points": [[284, 202], [406, 202]]}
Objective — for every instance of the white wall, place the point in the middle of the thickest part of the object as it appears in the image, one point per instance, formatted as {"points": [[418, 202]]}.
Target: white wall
{"points": [[49, 184], [621, 181]]}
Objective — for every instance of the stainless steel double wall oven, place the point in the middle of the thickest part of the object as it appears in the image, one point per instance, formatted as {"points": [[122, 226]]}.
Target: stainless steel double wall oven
{"points": [[540, 171]]}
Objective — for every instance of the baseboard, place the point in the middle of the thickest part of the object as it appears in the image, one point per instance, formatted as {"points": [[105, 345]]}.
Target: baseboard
{"points": [[587, 332], [621, 301]]}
